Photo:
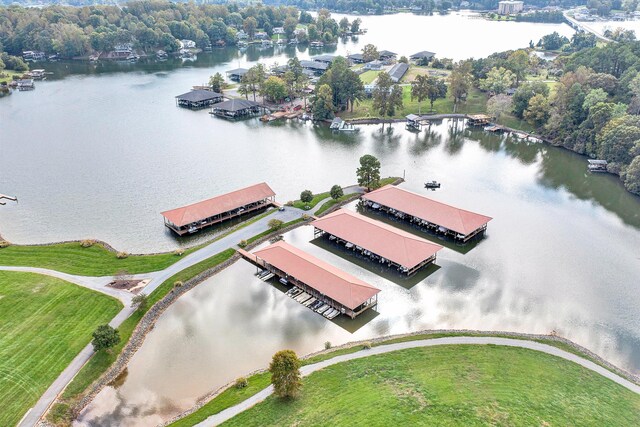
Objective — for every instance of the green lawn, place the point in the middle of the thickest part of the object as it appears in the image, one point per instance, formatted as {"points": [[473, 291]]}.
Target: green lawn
{"points": [[476, 103], [332, 202], [452, 385], [369, 76], [92, 261], [44, 323], [100, 362], [317, 198]]}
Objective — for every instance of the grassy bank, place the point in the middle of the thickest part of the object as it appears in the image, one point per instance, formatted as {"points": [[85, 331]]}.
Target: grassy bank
{"points": [[332, 202], [95, 260], [453, 385], [476, 103], [44, 323], [100, 362]]}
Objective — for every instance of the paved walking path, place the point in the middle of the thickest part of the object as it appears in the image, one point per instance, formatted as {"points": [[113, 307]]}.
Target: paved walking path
{"points": [[228, 413]]}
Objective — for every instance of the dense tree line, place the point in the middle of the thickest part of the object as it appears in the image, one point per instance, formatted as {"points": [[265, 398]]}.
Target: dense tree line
{"points": [[149, 24]]}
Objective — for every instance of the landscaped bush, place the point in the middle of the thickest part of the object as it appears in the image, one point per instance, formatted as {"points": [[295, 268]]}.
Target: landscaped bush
{"points": [[87, 243], [122, 255], [243, 243], [177, 284], [366, 346], [178, 252], [306, 196], [4, 244], [327, 345], [275, 224], [241, 383]]}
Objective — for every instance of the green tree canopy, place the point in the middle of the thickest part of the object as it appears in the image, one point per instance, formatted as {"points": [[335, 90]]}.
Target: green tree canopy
{"points": [[322, 107], [105, 337], [274, 89], [336, 192], [369, 171], [498, 80], [216, 82], [387, 96], [306, 196], [370, 53], [285, 374]]}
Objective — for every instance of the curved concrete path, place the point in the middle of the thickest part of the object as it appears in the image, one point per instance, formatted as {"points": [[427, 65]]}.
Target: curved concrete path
{"points": [[229, 413]]}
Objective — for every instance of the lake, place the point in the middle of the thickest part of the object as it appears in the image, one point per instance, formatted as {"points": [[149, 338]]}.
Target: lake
{"points": [[99, 150]]}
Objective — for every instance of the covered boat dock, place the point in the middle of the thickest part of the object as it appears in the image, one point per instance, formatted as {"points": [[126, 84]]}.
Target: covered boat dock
{"points": [[192, 218], [236, 74], [336, 288], [235, 108], [197, 99], [380, 242], [478, 119], [430, 215]]}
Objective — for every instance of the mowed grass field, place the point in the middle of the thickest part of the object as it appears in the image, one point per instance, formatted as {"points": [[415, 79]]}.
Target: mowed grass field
{"points": [[457, 385], [44, 323], [95, 260]]}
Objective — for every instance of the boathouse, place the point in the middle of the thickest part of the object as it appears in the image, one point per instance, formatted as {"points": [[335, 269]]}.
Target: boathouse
{"points": [[193, 218], [478, 119], [379, 242], [235, 108], [356, 58], [327, 59], [236, 74], [337, 288], [387, 56], [597, 165], [197, 99], [317, 67], [422, 57], [427, 214], [414, 122]]}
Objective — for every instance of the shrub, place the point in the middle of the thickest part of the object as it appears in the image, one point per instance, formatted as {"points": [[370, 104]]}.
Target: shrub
{"points": [[105, 337], [285, 374], [305, 217], [243, 243], [327, 345], [336, 192], [241, 383], [140, 302], [122, 255], [366, 345], [87, 243], [178, 252], [4, 244], [289, 203], [275, 224], [306, 196], [177, 284]]}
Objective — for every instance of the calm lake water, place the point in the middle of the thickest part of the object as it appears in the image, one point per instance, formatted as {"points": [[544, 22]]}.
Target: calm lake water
{"points": [[99, 150]]}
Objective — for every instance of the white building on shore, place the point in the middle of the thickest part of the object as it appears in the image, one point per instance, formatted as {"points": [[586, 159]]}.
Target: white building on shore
{"points": [[510, 7]]}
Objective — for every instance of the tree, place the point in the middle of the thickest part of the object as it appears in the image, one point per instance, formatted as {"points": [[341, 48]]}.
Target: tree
{"points": [[632, 177], [518, 62], [140, 302], [526, 91], [428, 87], [355, 25], [250, 25], [553, 41], [537, 113], [336, 192], [460, 81], [323, 108], [594, 97], [387, 96], [498, 105], [275, 224], [105, 337], [274, 89], [498, 80], [403, 59], [369, 171], [285, 374], [289, 26], [306, 196], [370, 53], [216, 82], [344, 24], [617, 140]]}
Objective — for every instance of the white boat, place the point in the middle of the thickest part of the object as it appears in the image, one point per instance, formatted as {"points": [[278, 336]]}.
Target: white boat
{"points": [[283, 281], [308, 302], [267, 277], [323, 309], [192, 229]]}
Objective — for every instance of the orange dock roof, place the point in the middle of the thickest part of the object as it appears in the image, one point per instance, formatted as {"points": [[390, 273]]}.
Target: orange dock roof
{"points": [[396, 245], [219, 204], [325, 278], [458, 220]]}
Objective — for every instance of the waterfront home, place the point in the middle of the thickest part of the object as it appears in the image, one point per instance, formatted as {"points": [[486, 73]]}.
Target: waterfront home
{"points": [[316, 44], [261, 35], [422, 57], [36, 74], [387, 56], [398, 71], [427, 214], [192, 218], [278, 30], [356, 58], [236, 74], [318, 68], [336, 288], [377, 241], [30, 55], [235, 108], [187, 44], [327, 59], [373, 65], [25, 84], [197, 99]]}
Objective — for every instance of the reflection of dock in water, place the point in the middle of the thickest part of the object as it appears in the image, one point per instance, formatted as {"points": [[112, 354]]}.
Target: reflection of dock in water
{"points": [[4, 196]]}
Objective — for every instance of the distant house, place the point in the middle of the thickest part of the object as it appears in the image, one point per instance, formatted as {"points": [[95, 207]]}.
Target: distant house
{"points": [[387, 56], [373, 65], [316, 67], [25, 84], [278, 30], [241, 35], [510, 7], [398, 71], [327, 59], [368, 89], [31, 55], [356, 58], [236, 74], [187, 44], [261, 35], [422, 57]]}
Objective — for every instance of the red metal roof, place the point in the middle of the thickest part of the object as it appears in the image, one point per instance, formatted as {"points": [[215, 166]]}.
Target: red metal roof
{"points": [[452, 218], [325, 278], [219, 204], [389, 242]]}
